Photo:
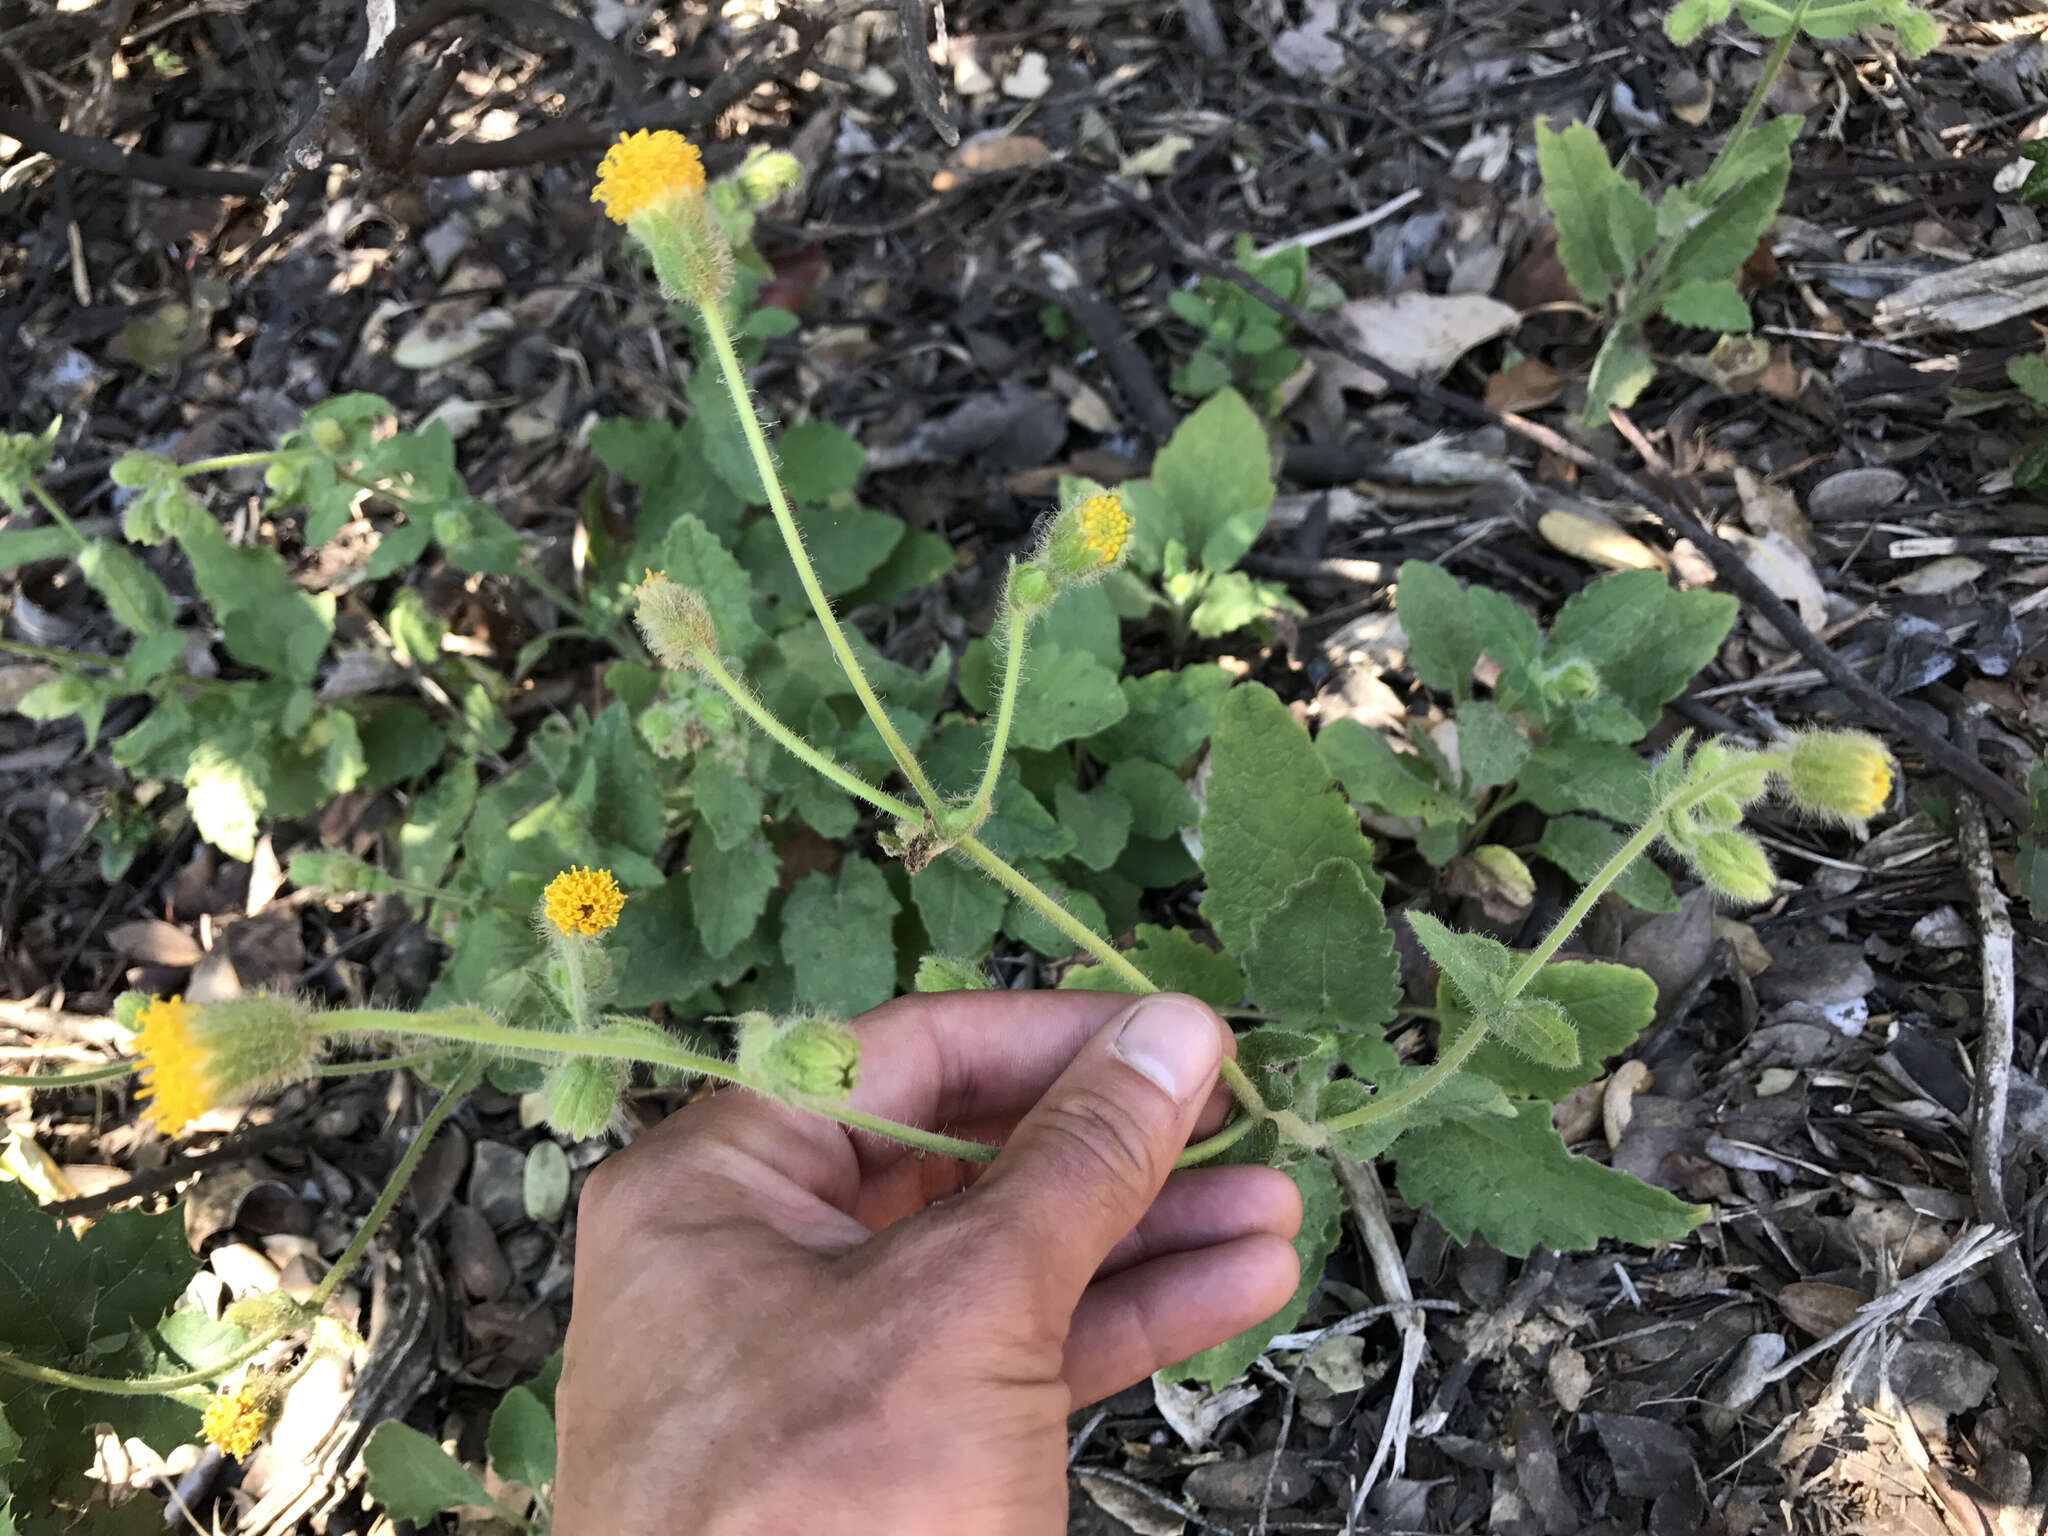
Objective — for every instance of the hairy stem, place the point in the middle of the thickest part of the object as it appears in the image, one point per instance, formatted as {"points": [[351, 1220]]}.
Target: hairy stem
{"points": [[764, 462], [45, 1080], [478, 1028], [49, 505], [1445, 1067], [795, 745], [1773, 66], [1017, 627], [1575, 914], [247, 460]]}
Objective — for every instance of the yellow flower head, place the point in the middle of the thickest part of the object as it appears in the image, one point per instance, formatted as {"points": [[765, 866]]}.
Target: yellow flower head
{"points": [[1105, 526], [1841, 775], [583, 902], [644, 169], [236, 1420], [175, 1076]]}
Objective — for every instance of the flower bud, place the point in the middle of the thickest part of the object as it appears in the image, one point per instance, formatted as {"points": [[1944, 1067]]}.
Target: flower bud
{"points": [[580, 1095], [452, 526], [1031, 588], [942, 973], [267, 1311], [197, 1055], [766, 174], [806, 1057], [1735, 864], [328, 435], [653, 183], [1086, 541], [1838, 775], [674, 621], [237, 1420]]}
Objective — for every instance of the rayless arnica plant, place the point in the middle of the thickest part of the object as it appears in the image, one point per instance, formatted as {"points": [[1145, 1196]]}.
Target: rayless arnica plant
{"points": [[1293, 935]]}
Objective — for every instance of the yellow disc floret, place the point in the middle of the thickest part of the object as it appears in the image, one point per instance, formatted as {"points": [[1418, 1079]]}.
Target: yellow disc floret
{"points": [[583, 902], [175, 1076], [237, 1420], [1105, 526], [644, 169]]}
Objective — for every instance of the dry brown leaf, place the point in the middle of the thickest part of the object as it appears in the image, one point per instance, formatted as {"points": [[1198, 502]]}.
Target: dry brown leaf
{"points": [[1617, 1103], [1769, 508], [1819, 1308], [1597, 543], [1578, 1112], [1009, 153], [152, 941], [1524, 387]]}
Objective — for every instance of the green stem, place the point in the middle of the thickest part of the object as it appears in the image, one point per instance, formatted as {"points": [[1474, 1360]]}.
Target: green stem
{"points": [[394, 1187], [1575, 914], [45, 1080], [1406, 1098], [406, 1062], [247, 460], [478, 1028], [764, 462], [1017, 627], [795, 745], [1774, 64], [49, 505], [61, 658], [1218, 1144], [1494, 812], [387, 1201]]}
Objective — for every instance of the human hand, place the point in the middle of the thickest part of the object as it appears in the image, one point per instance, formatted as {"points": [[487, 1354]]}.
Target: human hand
{"points": [[782, 1325]]}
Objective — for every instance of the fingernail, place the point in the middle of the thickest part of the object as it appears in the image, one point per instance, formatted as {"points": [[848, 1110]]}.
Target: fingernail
{"points": [[1173, 1042]]}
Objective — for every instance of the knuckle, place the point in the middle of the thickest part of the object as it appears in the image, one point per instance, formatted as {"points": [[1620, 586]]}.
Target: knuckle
{"points": [[1095, 1142]]}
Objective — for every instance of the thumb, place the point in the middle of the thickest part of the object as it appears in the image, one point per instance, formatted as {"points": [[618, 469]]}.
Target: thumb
{"points": [[1087, 1161]]}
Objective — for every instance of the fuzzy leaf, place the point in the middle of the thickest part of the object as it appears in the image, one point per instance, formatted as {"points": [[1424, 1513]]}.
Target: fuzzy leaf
{"points": [[729, 887], [1622, 370], [1726, 234], [1712, 306], [1322, 1222], [1272, 816], [1374, 774], [837, 936], [1324, 954], [1608, 1004], [1171, 713], [1175, 962], [1215, 478], [692, 556], [819, 461], [1578, 181], [1490, 750], [962, 908], [1587, 776], [522, 1436], [1513, 1183], [413, 1478], [1160, 803], [139, 602], [1100, 820], [1464, 1094], [1443, 643]]}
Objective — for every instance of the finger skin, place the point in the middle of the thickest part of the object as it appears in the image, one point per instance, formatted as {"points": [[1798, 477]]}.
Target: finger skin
{"points": [[1200, 1207]]}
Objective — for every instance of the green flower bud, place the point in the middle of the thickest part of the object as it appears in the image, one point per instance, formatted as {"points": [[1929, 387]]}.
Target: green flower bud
{"points": [[1735, 864], [1085, 541], [1573, 683], [1838, 775], [453, 526], [674, 621], [1031, 588], [942, 973], [22, 457], [328, 435], [805, 1057], [135, 469], [580, 1095], [766, 174], [268, 1310], [1742, 778]]}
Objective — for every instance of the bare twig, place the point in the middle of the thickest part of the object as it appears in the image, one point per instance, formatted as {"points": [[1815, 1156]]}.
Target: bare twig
{"points": [[110, 159], [1994, 1070], [919, 72], [1368, 1201], [1728, 565]]}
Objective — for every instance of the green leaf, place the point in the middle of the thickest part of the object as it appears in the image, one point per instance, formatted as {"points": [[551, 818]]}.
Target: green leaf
{"points": [[1490, 750], [1581, 847], [1324, 955], [1322, 1223], [1160, 803], [668, 465], [1712, 306], [1443, 641], [1272, 816], [1174, 961], [2028, 371], [1689, 18], [961, 907], [1171, 713], [661, 958], [226, 796], [729, 802], [692, 556], [1608, 623], [819, 461], [1513, 1183], [25, 546], [1725, 236], [1609, 1005], [413, 1478], [428, 839], [400, 741], [1622, 370], [1631, 222], [1476, 965], [846, 544], [1215, 476], [729, 888], [837, 938], [1099, 819], [1462, 1096], [1028, 926], [918, 559], [522, 1438], [73, 693], [1231, 601], [1587, 776], [59, 1293], [1375, 775], [1063, 695], [1578, 181], [139, 602]]}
